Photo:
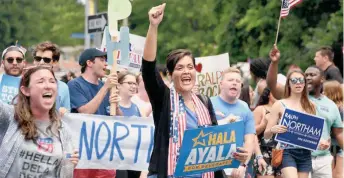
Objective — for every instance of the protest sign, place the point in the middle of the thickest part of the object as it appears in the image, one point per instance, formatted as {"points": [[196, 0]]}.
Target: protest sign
{"points": [[9, 88], [109, 142], [136, 45], [304, 130], [209, 70], [210, 149]]}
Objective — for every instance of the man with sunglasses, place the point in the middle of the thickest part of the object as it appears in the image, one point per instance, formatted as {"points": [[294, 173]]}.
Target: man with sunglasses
{"points": [[47, 53], [321, 158], [13, 60]]}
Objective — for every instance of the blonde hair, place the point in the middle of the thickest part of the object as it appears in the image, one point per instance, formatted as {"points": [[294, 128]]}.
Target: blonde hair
{"points": [[334, 91], [230, 70]]}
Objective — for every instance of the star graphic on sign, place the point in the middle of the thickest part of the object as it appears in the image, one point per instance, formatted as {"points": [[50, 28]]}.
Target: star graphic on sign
{"points": [[200, 135]]}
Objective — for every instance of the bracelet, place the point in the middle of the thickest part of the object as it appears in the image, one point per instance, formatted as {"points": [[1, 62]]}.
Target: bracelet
{"points": [[259, 157]]}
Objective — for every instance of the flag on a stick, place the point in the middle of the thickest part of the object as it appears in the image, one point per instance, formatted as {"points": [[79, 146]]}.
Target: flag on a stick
{"points": [[287, 5]]}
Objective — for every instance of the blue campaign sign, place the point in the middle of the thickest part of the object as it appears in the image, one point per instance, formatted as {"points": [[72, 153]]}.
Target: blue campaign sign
{"points": [[210, 149], [9, 88], [304, 130]]}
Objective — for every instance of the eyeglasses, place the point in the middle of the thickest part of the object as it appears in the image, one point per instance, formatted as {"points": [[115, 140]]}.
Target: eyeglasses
{"points": [[131, 83], [297, 80], [11, 60], [45, 59]]}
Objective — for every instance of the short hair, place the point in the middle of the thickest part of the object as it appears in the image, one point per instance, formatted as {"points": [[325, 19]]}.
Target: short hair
{"points": [[326, 51], [83, 67], [174, 56], [48, 46], [230, 70], [322, 74]]}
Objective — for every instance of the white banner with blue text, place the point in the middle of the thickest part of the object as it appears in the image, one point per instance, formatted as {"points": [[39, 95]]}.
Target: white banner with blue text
{"points": [[112, 142]]}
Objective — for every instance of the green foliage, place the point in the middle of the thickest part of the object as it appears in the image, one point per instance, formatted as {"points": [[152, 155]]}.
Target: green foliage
{"points": [[243, 28], [34, 21]]}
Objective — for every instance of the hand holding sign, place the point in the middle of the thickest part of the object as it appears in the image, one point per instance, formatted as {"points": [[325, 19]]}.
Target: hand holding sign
{"points": [[117, 10], [156, 14], [241, 155], [279, 129]]}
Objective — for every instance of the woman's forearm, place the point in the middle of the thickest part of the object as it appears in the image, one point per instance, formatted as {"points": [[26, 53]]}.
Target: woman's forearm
{"points": [[150, 48]]}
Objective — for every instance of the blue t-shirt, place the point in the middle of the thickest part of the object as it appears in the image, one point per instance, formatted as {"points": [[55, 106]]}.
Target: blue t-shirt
{"points": [[191, 119], [133, 110], [63, 99], [191, 123], [239, 110], [82, 92]]}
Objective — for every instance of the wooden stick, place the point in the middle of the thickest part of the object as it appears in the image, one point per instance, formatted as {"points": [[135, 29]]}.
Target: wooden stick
{"points": [[278, 27], [113, 91]]}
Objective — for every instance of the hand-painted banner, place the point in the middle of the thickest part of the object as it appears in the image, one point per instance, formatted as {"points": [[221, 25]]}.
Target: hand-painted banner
{"points": [[304, 130], [209, 70], [112, 142], [210, 149], [9, 88]]}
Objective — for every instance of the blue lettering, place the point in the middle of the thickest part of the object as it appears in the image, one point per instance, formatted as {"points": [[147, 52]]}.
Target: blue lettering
{"points": [[99, 156], [138, 140], [83, 138], [150, 149], [115, 140]]}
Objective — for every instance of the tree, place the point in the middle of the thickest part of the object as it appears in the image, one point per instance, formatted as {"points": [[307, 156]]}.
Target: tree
{"points": [[244, 28], [34, 21]]}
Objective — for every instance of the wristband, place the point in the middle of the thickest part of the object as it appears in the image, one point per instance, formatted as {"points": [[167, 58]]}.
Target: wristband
{"points": [[259, 157]]}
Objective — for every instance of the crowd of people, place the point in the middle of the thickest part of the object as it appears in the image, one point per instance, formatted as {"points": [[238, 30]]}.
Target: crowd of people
{"points": [[33, 136]]}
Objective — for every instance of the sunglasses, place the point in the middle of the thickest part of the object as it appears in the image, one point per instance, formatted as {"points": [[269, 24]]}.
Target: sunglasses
{"points": [[297, 80], [45, 59], [11, 60]]}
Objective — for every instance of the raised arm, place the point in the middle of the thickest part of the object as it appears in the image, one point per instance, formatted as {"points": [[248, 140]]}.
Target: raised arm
{"points": [[271, 78], [156, 15], [154, 84]]}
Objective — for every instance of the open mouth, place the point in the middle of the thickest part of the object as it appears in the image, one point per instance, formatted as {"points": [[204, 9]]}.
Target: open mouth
{"points": [[186, 80], [233, 89], [47, 95]]}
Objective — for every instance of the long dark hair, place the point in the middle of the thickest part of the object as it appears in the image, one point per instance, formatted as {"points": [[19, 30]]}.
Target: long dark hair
{"points": [[23, 114], [265, 97], [245, 94], [305, 103]]}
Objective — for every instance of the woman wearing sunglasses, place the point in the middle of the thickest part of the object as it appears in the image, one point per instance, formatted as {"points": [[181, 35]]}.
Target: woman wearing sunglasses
{"points": [[36, 142], [296, 162]]}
